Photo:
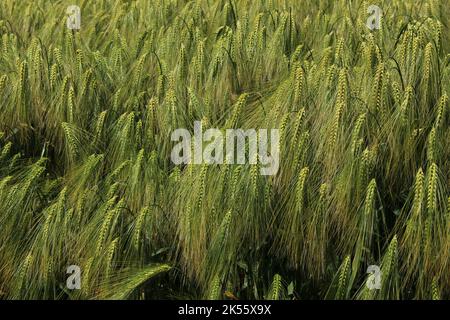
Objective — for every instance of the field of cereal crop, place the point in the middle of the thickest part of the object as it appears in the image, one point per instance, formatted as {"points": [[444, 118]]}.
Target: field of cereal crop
{"points": [[358, 203]]}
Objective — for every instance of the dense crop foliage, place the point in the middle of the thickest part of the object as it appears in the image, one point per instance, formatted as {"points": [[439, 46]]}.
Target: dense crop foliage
{"points": [[86, 177]]}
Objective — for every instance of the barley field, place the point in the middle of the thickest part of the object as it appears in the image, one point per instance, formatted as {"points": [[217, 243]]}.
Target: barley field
{"points": [[86, 177]]}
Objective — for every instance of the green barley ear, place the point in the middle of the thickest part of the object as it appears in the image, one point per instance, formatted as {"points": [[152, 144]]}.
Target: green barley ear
{"points": [[70, 105], [299, 79], [109, 257], [171, 97], [440, 116], [5, 151], [341, 101], [112, 190], [182, 60], [108, 225], [140, 67], [432, 188], [161, 87], [391, 258], [370, 198], [194, 104], [418, 191], [72, 141], [377, 97], [342, 87], [53, 75], [436, 294], [151, 117], [99, 126], [138, 227], [366, 52], [15, 160], [58, 57], [116, 100], [80, 60], [34, 174], [5, 45], [215, 289], [56, 210], [331, 74], [298, 124], [141, 43], [86, 277], [339, 50], [175, 175], [367, 226], [200, 60], [390, 279], [23, 72], [389, 269], [219, 253], [343, 280], [336, 125], [296, 54], [275, 292], [139, 133], [448, 217], [3, 184], [37, 61], [292, 219], [3, 79], [136, 171], [267, 195], [63, 93], [131, 280], [24, 271], [69, 43], [415, 48], [356, 132], [126, 133], [300, 188], [437, 29], [117, 59], [254, 173], [427, 63], [224, 177], [235, 186], [431, 149], [413, 233], [49, 270], [283, 130], [396, 92], [115, 174], [239, 106], [87, 82], [404, 110]]}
